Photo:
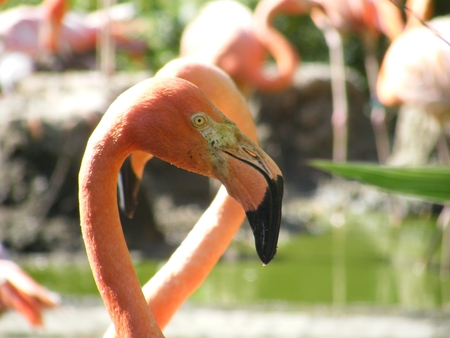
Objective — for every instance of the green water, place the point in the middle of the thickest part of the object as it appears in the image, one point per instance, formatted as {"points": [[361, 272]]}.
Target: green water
{"points": [[366, 261], [371, 262]]}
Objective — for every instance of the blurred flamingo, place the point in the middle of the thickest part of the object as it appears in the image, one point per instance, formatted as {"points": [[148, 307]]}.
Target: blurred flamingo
{"points": [[77, 34], [33, 35], [366, 18], [21, 293], [226, 34], [15, 64], [416, 67], [170, 117], [52, 13]]}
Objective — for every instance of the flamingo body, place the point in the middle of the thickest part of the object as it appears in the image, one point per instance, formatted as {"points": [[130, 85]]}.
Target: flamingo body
{"points": [[20, 27], [416, 69]]}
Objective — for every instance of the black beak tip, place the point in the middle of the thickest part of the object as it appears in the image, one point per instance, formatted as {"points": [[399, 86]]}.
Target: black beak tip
{"points": [[266, 259], [266, 219], [129, 211]]}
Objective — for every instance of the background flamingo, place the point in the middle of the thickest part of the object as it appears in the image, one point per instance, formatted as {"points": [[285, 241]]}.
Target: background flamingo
{"points": [[225, 35], [415, 69], [51, 13], [367, 19], [20, 292], [220, 149], [17, 64], [19, 30]]}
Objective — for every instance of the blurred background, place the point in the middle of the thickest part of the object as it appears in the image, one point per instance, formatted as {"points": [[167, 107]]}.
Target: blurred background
{"points": [[352, 261]]}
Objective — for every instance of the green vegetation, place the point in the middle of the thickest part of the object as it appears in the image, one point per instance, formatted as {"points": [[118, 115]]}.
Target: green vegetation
{"points": [[431, 183]]}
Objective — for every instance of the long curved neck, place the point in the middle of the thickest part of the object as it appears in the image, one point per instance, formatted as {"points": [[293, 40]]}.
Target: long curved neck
{"points": [[105, 244], [285, 56]]}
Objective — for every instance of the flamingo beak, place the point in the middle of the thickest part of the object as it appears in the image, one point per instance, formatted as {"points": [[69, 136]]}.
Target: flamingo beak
{"points": [[254, 180], [128, 187]]}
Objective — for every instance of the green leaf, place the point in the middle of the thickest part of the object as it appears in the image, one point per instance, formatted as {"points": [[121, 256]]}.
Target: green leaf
{"points": [[431, 183]]}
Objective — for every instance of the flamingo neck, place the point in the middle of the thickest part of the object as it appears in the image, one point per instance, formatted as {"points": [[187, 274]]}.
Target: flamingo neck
{"points": [[388, 19], [105, 244], [54, 12], [286, 58], [417, 12], [195, 257]]}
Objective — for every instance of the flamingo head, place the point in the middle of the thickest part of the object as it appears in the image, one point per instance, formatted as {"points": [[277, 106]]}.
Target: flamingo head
{"points": [[191, 133]]}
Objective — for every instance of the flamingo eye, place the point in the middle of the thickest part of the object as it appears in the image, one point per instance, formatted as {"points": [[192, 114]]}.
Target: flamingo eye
{"points": [[199, 120]]}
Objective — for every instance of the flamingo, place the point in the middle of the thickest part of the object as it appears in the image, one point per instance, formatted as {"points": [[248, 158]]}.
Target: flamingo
{"points": [[77, 34], [22, 19], [226, 34], [32, 34], [209, 239], [172, 119], [415, 69], [368, 19], [16, 65], [21, 293]]}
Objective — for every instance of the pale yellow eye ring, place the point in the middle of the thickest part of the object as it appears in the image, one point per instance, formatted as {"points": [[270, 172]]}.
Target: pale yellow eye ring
{"points": [[199, 120]]}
